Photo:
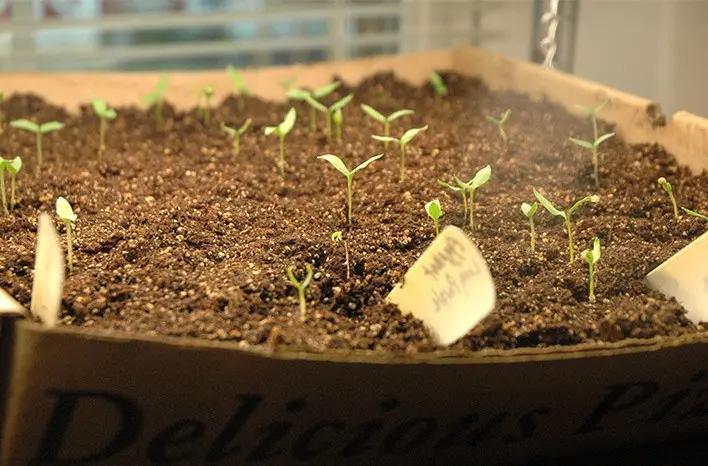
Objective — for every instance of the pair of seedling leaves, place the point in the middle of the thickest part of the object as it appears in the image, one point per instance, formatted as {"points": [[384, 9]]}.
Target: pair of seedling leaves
{"points": [[479, 179]]}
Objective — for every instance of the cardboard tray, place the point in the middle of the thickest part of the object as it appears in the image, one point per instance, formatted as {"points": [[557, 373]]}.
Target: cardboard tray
{"points": [[76, 397]]}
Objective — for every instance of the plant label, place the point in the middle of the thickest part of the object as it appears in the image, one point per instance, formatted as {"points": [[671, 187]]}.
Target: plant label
{"points": [[685, 277], [449, 287], [8, 306], [48, 284]]}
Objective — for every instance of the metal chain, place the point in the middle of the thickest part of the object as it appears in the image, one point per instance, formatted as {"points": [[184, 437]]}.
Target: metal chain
{"points": [[548, 44]]}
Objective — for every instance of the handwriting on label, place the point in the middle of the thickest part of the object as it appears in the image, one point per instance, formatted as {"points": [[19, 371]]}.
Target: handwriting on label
{"points": [[449, 287], [685, 277]]}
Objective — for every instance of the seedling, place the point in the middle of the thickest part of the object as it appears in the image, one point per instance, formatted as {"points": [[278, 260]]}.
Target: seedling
{"points": [[38, 130], [205, 95], [3, 196], [500, 125], [479, 179], [13, 167], [435, 212], [593, 147], [592, 113], [338, 119], [566, 215], [156, 97], [439, 86], [695, 214], [339, 165], [402, 143], [592, 257], [529, 211], [317, 94], [240, 85], [670, 191], [301, 286], [329, 111], [236, 133], [337, 238], [105, 113], [281, 131], [67, 215], [385, 120]]}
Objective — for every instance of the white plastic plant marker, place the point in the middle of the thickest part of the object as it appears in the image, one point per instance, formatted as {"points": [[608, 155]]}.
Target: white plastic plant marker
{"points": [[685, 277], [449, 287], [8, 306], [49, 270]]}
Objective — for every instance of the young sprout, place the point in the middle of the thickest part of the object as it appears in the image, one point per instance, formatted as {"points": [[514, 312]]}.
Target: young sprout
{"points": [[438, 85], [3, 199], [402, 143], [435, 212], [566, 215], [385, 120], [38, 130], [592, 113], [240, 85], [236, 133], [339, 165], [317, 94], [529, 211], [695, 214], [206, 93], [13, 167], [500, 125], [479, 179], [670, 190], [593, 147], [337, 238], [67, 215], [301, 286], [281, 131], [156, 97], [329, 111], [592, 257], [460, 188], [104, 113], [338, 119]]}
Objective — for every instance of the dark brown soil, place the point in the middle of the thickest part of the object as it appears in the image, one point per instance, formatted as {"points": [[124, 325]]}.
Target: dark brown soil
{"points": [[176, 236]]}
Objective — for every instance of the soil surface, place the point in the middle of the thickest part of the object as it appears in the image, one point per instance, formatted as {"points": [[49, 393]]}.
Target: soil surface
{"points": [[178, 236]]}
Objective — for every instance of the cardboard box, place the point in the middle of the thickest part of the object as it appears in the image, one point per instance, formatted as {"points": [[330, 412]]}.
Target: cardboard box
{"points": [[77, 397]]}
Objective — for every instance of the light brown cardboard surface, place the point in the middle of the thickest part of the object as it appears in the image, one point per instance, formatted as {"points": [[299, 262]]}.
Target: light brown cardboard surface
{"points": [[524, 403]]}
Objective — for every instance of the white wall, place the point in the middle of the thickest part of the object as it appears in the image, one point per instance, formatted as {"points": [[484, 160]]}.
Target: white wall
{"points": [[653, 48]]}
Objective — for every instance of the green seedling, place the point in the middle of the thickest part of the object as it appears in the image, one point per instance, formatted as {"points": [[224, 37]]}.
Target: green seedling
{"points": [[435, 212], [479, 179], [67, 215], [157, 98], [240, 85], [338, 238], [13, 167], [385, 120], [529, 211], [338, 119], [317, 94], [301, 287], [566, 215], [339, 165], [235, 134], [438, 84], [402, 143], [695, 214], [670, 191], [281, 131], [329, 111], [3, 196], [500, 125], [105, 114], [592, 257], [39, 131], [205, 95], [593, 147], [592, 113]]}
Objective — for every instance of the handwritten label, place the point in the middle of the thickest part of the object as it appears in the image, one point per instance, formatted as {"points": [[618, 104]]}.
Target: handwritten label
{"points": [[48, 284], [449, 287], [685, 277]]}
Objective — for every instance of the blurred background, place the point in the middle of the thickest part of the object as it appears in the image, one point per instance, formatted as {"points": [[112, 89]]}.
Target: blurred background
{"points": [[653, 48]]}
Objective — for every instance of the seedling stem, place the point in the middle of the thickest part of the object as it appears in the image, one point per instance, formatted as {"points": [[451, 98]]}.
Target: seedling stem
{"points": [[337, 238], [301, 286], [670, 191], [402, 143], [592, 257], [593, 147], [529, 211], [67, 215]]}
